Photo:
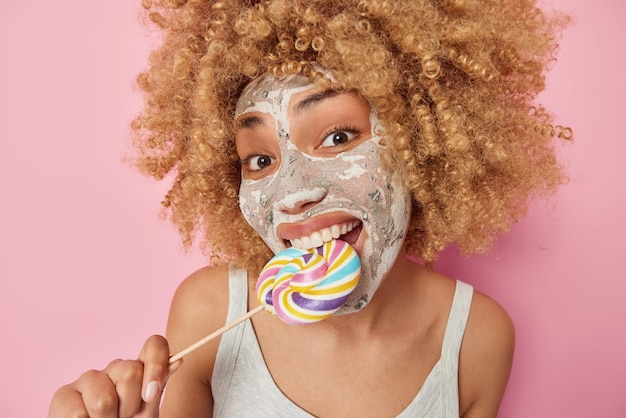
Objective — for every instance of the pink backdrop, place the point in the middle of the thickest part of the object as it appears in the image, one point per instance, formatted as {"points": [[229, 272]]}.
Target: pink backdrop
{"points": [[87, 267]]}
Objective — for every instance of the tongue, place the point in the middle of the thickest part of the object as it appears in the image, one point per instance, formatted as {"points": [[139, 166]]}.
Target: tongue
{"points": [[352, 236]]}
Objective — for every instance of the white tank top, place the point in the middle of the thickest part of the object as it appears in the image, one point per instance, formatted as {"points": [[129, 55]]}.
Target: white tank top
{"points": [[243, 387]]}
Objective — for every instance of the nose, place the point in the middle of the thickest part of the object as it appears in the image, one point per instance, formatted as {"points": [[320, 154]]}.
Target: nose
{"points": [[301, 183], [301, 200]]}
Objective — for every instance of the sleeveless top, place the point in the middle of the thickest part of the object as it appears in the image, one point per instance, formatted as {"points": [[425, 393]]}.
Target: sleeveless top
{"points": [[243, 386]]}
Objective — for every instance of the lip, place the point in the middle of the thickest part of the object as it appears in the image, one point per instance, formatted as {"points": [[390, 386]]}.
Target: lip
{"points": [[292, 231]]}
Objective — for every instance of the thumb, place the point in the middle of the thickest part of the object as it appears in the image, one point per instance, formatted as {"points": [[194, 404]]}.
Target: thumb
{"points": [[151, 409]]}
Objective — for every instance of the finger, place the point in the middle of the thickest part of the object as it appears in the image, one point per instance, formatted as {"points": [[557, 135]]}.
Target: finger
{"points": [[127, 377], [99, 395], [154, 355], [67, 401], [151, 410]]}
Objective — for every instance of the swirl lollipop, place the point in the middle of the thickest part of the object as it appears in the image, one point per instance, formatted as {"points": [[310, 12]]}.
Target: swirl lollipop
{"points": [[304, 286], [300, 286]]}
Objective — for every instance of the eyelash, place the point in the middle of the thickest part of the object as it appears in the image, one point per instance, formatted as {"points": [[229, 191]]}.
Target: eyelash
{"points": [[353, 133], [338, 129], [245, 162]]}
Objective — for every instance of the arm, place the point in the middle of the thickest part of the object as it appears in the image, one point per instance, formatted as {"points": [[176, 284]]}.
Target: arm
{"points": [[123, 388], [486, 358], [199, 307], [133, 387]]}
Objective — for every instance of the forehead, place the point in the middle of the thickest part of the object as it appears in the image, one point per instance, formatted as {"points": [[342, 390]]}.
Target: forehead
{"points": [[268, 93]]}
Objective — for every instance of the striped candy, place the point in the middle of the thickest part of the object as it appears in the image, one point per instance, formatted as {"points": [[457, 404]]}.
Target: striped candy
{"points": [[304, 286]]}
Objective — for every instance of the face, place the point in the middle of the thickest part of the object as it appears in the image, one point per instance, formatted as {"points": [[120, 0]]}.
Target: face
{"points": [[312, 172]]}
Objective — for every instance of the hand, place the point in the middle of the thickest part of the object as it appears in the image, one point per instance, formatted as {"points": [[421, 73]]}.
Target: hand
{"points": [[125, 388]]}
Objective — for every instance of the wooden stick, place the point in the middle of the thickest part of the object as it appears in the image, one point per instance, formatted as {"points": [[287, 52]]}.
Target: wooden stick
{"points": [[215, 334]]}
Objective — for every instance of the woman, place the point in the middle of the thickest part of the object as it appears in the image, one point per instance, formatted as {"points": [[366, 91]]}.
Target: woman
{"points": [[409, 127]]}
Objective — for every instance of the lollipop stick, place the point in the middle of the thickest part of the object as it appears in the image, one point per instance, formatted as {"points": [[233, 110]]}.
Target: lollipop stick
{"points": [[215, 334]]}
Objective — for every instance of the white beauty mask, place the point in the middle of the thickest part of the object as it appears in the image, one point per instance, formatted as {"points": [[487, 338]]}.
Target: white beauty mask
{"points": [[312, 171]]}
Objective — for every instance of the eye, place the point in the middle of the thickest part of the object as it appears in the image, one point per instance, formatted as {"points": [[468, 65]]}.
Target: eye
{"points": [[337, 138], [257, 162]]}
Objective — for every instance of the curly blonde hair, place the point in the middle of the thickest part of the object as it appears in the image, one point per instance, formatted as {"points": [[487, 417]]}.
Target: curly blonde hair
{"points": [[454, 83]]}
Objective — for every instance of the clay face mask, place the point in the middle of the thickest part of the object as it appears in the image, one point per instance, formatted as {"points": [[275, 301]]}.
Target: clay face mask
{"points": [[312, 172]]}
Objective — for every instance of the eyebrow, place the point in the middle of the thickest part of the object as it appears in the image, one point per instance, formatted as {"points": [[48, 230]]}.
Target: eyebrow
{"points": [[249, 122], [315, 99]]}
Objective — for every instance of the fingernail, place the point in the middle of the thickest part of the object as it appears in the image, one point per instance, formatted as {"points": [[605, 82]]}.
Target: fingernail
{"points": [[150, 392]]}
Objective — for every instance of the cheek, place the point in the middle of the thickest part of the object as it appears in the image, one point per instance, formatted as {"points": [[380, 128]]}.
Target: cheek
{"points": [[254, 205], [379, 193], [359, 176]]}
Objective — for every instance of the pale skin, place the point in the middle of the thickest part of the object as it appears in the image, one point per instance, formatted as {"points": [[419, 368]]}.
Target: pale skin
{"points": [[377, 359]]}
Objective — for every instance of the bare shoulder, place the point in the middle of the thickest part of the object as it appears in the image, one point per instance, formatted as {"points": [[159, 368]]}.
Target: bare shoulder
{"points": [[201, 292], [199, 307], [486, 358]]}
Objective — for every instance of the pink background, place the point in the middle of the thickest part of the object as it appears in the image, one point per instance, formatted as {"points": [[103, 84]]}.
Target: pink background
{"points": [[87, 267]]}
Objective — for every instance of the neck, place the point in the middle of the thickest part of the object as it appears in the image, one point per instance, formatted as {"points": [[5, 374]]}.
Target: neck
{"points": [[394, 296]]}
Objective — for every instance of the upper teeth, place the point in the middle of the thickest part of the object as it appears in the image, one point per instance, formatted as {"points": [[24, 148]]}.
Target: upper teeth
{"points": [[317, 239]]}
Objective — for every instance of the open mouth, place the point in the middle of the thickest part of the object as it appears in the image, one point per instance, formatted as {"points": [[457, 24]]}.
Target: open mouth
{"points": [[345, 231]]}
